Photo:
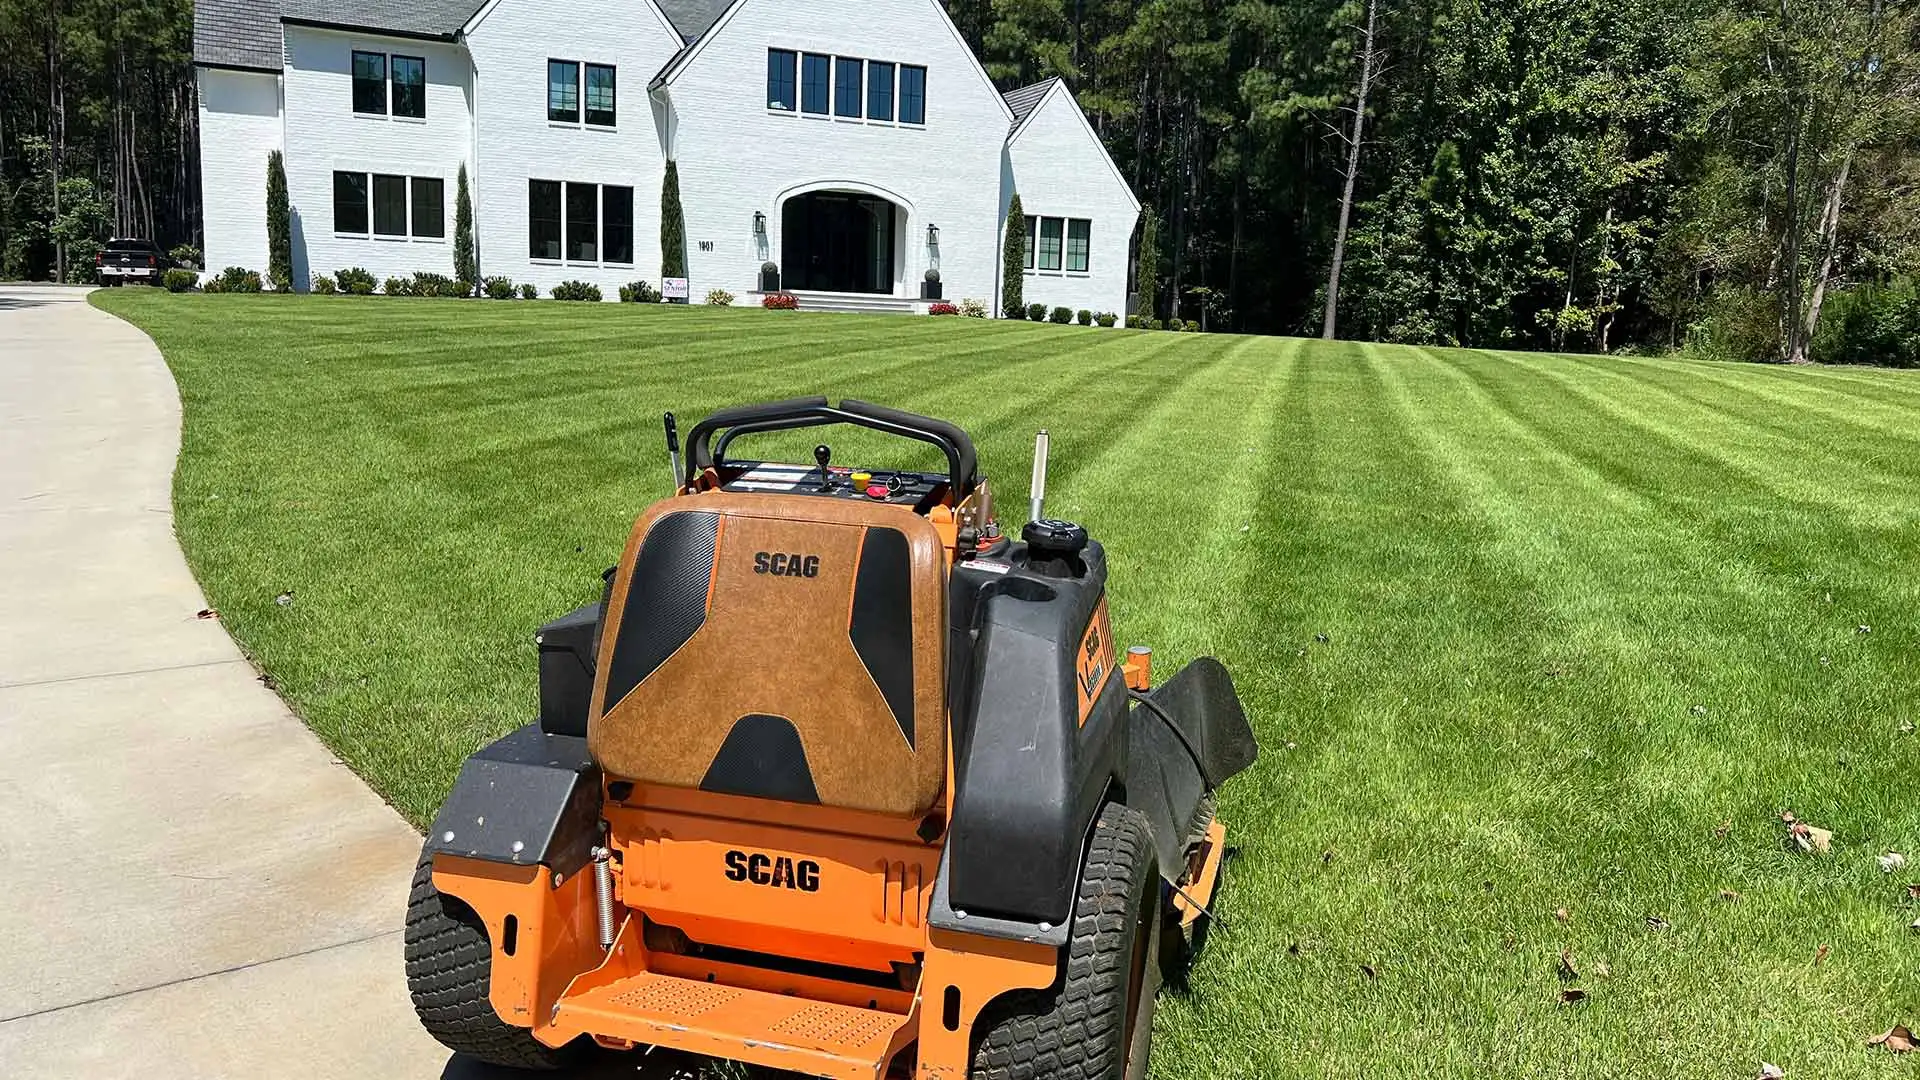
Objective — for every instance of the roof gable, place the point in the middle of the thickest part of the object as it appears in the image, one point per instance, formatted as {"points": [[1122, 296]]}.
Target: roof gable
{"points": [[1053, 96], [415, 18], [1023, 101], [693, 18]]}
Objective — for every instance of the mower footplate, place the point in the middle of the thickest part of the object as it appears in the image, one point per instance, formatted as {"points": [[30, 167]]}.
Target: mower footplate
{"points": [[818, 1038]]}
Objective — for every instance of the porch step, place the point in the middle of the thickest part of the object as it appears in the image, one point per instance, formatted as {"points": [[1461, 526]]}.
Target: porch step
{"points": [[778, 1031], [855, 303]]}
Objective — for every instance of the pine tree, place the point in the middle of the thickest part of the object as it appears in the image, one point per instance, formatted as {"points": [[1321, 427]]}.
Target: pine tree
{"points": [[279, 225], [466, 266], [673, 227], [1014, 258]]}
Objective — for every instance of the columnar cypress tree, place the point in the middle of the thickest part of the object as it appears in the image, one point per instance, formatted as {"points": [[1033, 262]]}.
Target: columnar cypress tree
{"points": [[466, 267], [1014, 259], [673, 226], [1147, 277], [279, 225]]}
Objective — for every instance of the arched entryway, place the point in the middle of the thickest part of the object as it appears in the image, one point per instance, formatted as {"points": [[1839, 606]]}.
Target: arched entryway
{"points": [[834, 240]]}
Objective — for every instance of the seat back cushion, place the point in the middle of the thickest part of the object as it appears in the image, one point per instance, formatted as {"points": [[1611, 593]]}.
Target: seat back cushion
{"points": [[781, 646]]}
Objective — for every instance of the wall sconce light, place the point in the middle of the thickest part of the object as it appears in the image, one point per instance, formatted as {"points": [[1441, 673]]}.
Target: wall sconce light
{"points": [[759, 223], [933, 235]]}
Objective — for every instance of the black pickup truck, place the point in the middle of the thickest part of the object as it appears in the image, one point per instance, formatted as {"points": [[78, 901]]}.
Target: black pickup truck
{"points": [[129, 260]]}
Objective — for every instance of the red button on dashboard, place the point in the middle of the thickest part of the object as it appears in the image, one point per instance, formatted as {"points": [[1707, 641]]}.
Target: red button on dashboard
{"points": [[876, 491]]}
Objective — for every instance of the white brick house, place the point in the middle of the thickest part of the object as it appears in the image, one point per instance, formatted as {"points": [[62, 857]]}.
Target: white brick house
{"points": [[855, 146]]}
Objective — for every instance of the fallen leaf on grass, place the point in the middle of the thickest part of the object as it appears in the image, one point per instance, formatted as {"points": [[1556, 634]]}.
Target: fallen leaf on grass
{"points": [[1863, 628], [1897, 1039], [268, 681], [1562, 914], [1820, 954], [1721, 830], [284, 598], [1811, 839], [1655, 922], [1728, 895], [1367, 972], [1913, 892], [1326, 857], [1770, 1071], [1906, 727], [1572, 994], [207, 613], [1601, 970], [1914, 926], [1568, 973], [1892, 861], [1698, 710]]}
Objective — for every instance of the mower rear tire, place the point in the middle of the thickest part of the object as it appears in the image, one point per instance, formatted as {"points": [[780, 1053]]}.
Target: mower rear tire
{"points": [[449, 964], [1094, 1022]]}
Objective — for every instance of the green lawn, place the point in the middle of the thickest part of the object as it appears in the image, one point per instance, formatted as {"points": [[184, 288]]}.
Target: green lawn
{"points": [[1518, 632]]}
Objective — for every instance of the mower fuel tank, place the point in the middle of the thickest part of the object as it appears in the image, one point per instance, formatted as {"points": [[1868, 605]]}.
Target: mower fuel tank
{"points": [[528, 798], [568, 648]]}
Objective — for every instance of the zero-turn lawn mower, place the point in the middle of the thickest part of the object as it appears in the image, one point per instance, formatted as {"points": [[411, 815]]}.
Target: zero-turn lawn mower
{"points": [[834, 779]]}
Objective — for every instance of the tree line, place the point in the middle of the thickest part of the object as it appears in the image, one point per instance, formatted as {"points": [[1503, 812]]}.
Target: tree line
{"points": [[1734, 177], [98, 131]]}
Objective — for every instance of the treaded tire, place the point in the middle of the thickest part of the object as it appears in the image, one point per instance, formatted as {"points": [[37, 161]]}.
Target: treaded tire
{"points": [[1094, 1022], [449, 961]]}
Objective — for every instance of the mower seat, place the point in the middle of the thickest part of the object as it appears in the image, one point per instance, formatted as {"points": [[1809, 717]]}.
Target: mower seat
{"points": [[784, 647]]}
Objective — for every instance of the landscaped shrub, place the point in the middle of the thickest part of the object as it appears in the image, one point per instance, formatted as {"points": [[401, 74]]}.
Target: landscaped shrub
{"points": [[780, 301], [498, 288], [1016, 313], [236, 279], [639, 292], [1192, 327], [943, 309], [1106, 318], [324, 285], [356, 281], [279, 225], [973, 309], [185, 255], [426, 283], [720, 298], [1013, 259], [397, 287], [1036, 313], [528, 292], [1083, 317], [1063, 315], [576, 290], [179, 280]]}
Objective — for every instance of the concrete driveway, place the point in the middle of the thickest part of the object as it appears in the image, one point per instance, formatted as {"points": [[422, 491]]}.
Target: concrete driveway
{"points": [[195, 887]]}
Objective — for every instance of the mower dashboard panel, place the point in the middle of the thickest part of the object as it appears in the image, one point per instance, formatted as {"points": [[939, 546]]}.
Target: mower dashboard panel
{"points": [[922, 491]]}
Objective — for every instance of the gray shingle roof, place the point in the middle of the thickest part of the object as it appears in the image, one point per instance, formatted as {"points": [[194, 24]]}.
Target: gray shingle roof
{"points": [[434, 18], [237, 33], [693, 17], [1024, 100]]}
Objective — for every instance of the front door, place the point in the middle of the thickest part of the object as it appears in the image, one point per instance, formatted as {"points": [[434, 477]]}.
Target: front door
{"points": [[837, 241]]}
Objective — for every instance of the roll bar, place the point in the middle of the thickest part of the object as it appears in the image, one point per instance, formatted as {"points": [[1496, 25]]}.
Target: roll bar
{"points": [[703, 451]]}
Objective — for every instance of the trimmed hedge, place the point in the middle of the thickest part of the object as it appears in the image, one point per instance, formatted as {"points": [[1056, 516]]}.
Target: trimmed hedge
{"points": [[576, 290], [639, 292], [1036, 313], [498, 288], [1063, 315], [1083, 317], [356, 281], [179, 280]]}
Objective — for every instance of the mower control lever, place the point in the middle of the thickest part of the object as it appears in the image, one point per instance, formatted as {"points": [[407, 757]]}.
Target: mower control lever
{"points": [[823, 454]]}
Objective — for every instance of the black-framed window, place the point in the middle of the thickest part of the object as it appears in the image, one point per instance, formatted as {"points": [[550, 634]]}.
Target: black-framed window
{"points": [[350, 202], [913, 94], [781, 64], [563, 91], [815, 79], [1050, 230], [616, 223], [410, 87], [600, 95], [370, 82], [1033, 237], [429, 206], [543, 219], [879, 90], [1079, 244], [846, 86], [389, 205], [583, 222]]}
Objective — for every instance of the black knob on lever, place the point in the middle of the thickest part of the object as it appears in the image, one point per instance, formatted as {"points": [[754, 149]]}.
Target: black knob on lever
{"points": [[823, 454]]}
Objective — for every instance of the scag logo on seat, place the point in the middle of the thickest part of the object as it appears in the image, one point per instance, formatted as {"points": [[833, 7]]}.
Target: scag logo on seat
{"points": [[780, 873], [786, 564]]}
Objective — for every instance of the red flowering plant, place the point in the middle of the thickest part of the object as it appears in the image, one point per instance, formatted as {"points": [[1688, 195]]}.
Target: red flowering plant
{"points": [[780, 301], [943, 309]]}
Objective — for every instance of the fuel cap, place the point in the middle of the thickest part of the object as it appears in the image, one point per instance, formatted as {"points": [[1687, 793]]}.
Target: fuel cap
{"points": [[1054, 546]]}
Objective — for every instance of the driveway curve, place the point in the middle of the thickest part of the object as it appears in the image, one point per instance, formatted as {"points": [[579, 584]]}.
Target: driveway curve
{"points": [[197, 887]]}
